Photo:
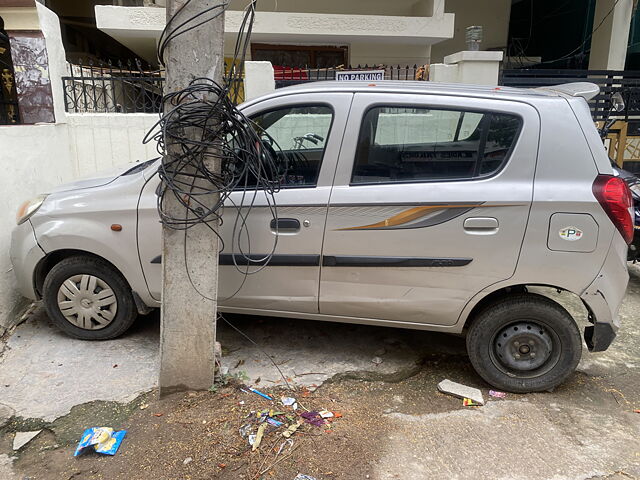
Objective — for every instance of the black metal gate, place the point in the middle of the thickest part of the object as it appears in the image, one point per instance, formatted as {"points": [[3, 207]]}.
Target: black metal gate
{"points": [[609, 81], [9, 113]]}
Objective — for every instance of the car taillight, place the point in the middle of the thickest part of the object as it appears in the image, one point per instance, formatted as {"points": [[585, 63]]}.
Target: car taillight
{"points": [[615, 197]]}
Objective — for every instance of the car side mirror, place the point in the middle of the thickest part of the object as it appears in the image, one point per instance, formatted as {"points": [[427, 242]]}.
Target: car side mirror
{"points": [[617, 102]]}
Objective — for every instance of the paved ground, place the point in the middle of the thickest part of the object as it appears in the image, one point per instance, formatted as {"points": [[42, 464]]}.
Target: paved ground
{"points": [[586, 429]]}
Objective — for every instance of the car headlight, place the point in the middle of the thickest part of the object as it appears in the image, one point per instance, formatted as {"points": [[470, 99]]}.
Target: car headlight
{"points": [[28, 208], [635, 189]]}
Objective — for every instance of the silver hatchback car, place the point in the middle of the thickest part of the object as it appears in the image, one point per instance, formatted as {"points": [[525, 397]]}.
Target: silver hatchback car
{"points": [[411, 204]]}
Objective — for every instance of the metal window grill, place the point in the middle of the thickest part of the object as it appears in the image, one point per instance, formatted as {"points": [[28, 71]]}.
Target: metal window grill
{"points": [[287, 76], [126, 87]]}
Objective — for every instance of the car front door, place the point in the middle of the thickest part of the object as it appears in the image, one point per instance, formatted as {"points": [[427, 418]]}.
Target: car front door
{"points": [[271, 255], [429, 206]]}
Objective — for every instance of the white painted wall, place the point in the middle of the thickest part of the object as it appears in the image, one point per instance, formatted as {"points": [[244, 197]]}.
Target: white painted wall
{"points": [[19, 18], [258, 79], [50, 26], [375, 53], [493, 15], [612, 20], [101, 141], [35, 158], [362, 7], [471, 67], [377, 31]]}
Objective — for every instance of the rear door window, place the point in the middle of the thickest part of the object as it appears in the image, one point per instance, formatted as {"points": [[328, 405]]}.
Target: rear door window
{"points": [[406, 144]]}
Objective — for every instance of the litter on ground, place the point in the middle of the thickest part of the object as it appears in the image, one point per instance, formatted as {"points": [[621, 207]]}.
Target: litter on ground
{"points": [[495, 394], [313, 418], [461, 391], [101, 439], [467, 402], [259, 435], [258, 392], [274, 422], [292, 429], [22, 438]]}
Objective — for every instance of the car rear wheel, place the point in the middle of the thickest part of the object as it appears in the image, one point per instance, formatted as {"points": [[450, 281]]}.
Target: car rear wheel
{"points": [[524, 343], [88, 299]]}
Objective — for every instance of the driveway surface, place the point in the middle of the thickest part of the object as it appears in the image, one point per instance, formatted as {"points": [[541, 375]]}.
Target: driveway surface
{"points": [[585, 429]]}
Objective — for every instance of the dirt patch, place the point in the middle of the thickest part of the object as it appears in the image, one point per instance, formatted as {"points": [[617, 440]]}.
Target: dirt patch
{"points": [[195, 435]]}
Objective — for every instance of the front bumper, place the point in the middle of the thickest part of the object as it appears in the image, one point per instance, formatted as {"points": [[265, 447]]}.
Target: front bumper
{"points": [[25, 254]]}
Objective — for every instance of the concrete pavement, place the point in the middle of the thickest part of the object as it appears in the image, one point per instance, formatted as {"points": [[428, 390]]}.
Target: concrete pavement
{"points": [[585, 429]]}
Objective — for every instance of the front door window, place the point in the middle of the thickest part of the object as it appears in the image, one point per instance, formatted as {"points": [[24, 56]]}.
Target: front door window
{"points": [[297, 136]]}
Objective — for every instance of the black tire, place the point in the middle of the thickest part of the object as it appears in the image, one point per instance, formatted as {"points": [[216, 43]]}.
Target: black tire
{"points": [[125, 313], [508, 326]]}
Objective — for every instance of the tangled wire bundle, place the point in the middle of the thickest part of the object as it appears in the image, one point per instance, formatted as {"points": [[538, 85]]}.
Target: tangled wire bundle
{"points": [[195, 134], [210, 149]]}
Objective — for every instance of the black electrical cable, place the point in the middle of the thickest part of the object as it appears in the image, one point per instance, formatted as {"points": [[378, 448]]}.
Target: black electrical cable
{"points": [[221, 317], [245, 153]]}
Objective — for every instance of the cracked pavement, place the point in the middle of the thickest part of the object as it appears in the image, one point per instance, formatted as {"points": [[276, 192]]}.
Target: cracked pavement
{"points": [[585, 429]]}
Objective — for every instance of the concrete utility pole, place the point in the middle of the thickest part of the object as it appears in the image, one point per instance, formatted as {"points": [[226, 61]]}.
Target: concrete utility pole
{"points": [[188, 321]]}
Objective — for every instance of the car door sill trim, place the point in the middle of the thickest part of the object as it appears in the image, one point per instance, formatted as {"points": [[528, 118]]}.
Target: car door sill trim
{"points": [[276, 260], [279, 260], [376, 261]]}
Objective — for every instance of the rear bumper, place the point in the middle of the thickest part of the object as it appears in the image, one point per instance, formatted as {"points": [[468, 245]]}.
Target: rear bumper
{"points": [[25, 254], [599, 336], [604, 297]]}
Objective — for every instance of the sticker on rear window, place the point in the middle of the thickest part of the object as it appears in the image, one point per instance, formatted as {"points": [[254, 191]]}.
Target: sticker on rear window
{"points": [[571, 234]]}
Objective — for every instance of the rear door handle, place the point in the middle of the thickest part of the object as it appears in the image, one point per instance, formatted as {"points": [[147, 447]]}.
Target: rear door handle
{"points": [[481, 225], [285, 225]]}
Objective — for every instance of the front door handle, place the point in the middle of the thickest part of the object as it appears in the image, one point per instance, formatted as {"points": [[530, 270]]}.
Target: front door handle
{"points": [[481, 225], [285, 225]]}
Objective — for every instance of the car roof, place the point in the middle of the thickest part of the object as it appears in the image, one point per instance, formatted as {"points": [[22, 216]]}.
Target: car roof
{"points": [[417, 87]]}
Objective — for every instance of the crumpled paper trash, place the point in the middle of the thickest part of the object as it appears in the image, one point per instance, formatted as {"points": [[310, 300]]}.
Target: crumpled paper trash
{"points": [[103, 440]]}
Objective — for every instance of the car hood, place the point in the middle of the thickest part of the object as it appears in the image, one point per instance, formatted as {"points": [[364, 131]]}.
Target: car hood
{"points": [[103, 178]]}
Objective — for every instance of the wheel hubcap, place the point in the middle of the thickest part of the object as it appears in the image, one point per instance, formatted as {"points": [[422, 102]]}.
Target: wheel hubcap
{"points": [[523, 346], [87, 302]]}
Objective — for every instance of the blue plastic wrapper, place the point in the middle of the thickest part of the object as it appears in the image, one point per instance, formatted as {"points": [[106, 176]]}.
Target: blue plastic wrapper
{"points": [[102, 439]]}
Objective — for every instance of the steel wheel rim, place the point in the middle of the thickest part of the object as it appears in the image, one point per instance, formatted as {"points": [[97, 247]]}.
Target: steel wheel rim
{"points": [[87, 302], [511, 348]]}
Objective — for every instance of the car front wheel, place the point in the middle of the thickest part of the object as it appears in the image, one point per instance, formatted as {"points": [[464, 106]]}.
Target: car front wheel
{"points": [[525, 343], [88, 299]]}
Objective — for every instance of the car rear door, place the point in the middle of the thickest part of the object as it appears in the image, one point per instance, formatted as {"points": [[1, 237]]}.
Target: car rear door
{"points": [[429, 205]]}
